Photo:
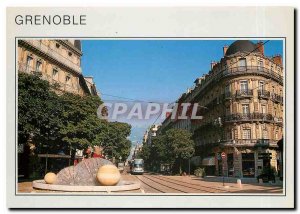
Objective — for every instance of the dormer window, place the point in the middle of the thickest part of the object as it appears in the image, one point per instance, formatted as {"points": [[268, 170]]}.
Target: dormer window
{"points": [[38, 66], [68, 78], [242, 62], [54, 73]]}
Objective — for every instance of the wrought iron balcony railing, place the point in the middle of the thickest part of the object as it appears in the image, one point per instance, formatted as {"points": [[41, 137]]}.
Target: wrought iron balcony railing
{"points": [[250, 143], [263, 94], [248, 117], [244, 93], [62, 86], [276, 98], [244, 70]]}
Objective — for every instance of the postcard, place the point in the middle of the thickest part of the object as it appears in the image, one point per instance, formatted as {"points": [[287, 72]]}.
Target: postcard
{"points": [[150, 107]]}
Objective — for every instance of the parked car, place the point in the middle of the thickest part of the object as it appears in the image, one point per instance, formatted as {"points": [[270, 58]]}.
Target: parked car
{"points": [[268, 174], [266, 177]]}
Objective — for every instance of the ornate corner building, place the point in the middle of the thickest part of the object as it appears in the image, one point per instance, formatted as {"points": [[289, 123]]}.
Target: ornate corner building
{"points": [[58, 61], [241, 101]]}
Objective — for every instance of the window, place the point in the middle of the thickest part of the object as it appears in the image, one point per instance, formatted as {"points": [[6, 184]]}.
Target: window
{"points": [[265, 134], [38, 66], [263, 109], [261, 86], [57, 45], [29, 63], [227, 89], [260, 63], [242, 62], [70, 53], [246, 134], [228, 110], [245, 108], [229, 135], [54, 73], [276, 135], [68, 79], [244, 85], [272, 67]]}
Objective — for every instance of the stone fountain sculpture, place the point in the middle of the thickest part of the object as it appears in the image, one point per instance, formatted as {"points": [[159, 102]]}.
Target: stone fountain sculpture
{"points": [[90, 175], [83, 174]]}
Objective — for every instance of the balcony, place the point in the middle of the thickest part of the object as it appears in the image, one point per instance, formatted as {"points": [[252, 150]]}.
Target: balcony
{"points": [[244, 93], [255, 70], [250, 143], [240, 117], [54, 55], [22, 67], [276, 98], [263, 94], [61, 86]]}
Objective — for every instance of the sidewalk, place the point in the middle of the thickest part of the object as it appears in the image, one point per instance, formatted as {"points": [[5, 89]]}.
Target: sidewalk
{"points": [[234, 180]]}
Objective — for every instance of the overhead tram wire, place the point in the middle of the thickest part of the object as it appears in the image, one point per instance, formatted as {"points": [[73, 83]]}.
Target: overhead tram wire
{"points": [[129, 99], [226, 68]]}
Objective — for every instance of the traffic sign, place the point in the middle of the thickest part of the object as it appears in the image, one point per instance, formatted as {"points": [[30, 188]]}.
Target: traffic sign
{"points": [[223, 155]]}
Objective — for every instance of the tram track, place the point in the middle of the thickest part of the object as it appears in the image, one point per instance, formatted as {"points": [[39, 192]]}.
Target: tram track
{"points": [[156, 189], [179, 182], [163, 186], [180, 185]]}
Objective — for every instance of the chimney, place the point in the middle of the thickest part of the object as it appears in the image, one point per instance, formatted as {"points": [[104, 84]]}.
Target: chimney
{"points": [[225, 50], [277, 59], [212, 64], [260, 47]]}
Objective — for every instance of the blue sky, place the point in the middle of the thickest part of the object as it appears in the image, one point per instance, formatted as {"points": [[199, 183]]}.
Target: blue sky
{"points": [[152, 70]]}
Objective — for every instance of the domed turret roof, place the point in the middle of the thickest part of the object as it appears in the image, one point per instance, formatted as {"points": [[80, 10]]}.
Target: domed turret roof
{"points": [[241, 46]]}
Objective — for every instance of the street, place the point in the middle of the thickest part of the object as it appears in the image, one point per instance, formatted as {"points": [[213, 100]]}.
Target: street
{"points": [[161, 184], [186, 184]]}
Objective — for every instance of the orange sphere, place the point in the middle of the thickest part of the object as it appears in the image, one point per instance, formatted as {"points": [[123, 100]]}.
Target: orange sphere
{"points": [[108, 175], [50, 178]]}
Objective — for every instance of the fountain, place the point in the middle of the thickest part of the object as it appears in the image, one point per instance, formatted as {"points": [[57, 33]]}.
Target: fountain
{"points": [[90, 175]]}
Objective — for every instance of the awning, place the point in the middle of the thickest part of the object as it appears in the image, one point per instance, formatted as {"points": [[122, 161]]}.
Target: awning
{"points": [[209, 161]]}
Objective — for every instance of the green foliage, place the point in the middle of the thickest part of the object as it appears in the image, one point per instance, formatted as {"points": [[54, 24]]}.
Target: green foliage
{"points": [[39, 109], [173, 146], [199, 172], [66, 121]]}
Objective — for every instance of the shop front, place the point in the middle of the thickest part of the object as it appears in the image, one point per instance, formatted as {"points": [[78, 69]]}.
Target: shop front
{"points": [[209, 165]]}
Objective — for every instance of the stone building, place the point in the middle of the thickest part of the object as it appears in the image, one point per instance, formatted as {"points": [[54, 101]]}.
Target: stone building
{"points": [[241, 101], [150, 134], [59, 61]]}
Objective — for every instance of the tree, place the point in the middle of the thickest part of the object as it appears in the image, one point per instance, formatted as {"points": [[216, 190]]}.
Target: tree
{"points": [[181, 144], [80, 125], [39, 109], [115, 141], [175, 145]]}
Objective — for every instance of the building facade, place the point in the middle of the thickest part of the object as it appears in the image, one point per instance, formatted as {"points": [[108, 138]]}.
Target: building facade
{"points": [[58, 61], [241, 101], [150, 133]]}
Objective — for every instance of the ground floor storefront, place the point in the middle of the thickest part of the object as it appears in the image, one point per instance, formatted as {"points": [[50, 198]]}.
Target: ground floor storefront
{"points": [[245, 162]]}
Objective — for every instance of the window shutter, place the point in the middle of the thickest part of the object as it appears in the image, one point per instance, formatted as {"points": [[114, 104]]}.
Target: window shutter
{"points": [[256, 106], [236, 134], [234, 108], [270, 107]]}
